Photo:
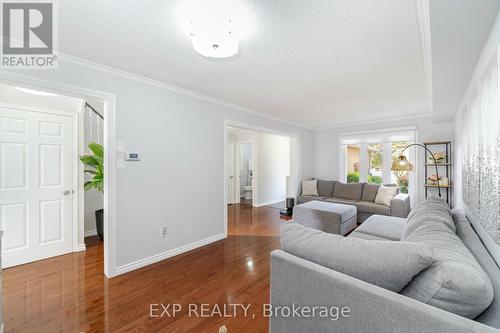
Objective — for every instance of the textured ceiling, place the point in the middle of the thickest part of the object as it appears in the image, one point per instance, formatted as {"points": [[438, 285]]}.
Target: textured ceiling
{"points": [[317, 63]]}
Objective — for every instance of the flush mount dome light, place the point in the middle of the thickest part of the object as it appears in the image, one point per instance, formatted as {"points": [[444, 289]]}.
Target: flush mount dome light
{"points": [[215, 26]]}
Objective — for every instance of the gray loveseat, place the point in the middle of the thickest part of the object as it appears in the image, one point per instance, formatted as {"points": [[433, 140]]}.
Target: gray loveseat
{"points": [[373, 309], [361, 195]]}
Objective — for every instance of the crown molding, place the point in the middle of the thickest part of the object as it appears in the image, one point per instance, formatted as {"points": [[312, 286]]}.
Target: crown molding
{"points": [[374, 121], [160, 84], [424, 27]]}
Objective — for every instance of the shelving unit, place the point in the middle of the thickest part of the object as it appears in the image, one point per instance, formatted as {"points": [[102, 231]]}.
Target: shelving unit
{"points": [[444, 168]]}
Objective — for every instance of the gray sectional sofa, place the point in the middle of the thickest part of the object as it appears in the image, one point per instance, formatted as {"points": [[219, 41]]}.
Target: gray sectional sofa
{"points": [[454, 286], [361, 195]]}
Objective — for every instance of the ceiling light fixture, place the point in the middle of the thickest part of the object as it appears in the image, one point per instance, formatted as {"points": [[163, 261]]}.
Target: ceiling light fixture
{"points": [[215, 26], [35, 92]]}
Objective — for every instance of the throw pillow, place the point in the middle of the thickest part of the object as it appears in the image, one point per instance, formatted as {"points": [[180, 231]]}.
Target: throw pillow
{"points": [[310, 187], [387, 264], [385, 194]]}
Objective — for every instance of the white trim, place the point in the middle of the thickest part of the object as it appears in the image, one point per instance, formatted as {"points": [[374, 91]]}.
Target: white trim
{"points": [[159, 84], [168, 254], [89, 233], [79, 247], [377, 121], [109, 99], [267, 203], [424, 25], [380, 130]]}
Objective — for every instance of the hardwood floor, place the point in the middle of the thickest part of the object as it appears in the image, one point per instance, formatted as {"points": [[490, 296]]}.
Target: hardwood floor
{"points": [[69, 293]]}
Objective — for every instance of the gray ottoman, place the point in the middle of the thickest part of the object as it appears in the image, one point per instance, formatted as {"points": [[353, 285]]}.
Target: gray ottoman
{"points": [[329, 217]]}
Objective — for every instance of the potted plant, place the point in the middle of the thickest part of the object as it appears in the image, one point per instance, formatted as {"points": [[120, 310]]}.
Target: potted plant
{"points": [[95, 167]]}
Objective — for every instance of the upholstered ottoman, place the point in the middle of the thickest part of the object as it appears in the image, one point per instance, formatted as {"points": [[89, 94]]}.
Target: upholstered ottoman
{"points": [[329, 217]]}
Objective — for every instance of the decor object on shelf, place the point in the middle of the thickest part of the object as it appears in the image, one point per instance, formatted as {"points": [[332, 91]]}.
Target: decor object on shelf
{"points": [[402, 164], [439, 157], [96, 164], [433, 180]]}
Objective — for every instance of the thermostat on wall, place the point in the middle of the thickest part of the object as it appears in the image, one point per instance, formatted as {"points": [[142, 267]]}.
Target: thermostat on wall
{"points": [[132, 157]]}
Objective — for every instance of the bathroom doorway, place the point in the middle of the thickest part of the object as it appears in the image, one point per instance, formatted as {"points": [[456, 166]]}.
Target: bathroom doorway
{"points": [[245, 171]]}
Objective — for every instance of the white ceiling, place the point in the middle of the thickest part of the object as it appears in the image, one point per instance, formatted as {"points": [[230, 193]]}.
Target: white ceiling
{"points": [[316, 63]]}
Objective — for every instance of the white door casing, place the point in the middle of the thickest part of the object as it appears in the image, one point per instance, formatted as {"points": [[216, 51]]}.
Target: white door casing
{"points": [[230, 151], [36, 185]]}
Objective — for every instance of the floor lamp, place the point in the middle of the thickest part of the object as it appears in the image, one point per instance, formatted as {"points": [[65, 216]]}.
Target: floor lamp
{"points": [[402, 164]]}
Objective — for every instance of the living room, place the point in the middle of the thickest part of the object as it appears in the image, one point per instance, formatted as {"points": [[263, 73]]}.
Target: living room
{"points": [[390, 109]]}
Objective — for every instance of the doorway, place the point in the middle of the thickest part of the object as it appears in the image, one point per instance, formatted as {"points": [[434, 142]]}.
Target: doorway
{"points": [[41, 177], [245, 172], [261, 170]]}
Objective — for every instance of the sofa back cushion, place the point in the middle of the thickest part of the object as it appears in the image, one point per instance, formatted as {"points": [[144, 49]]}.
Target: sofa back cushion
{"points": [[430, 211], [369, 192], [387, 264], [455, 281], [348, 191], [325, 187]]}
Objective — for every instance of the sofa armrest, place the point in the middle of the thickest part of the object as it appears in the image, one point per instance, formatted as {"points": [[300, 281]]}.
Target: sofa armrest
{"points": [[400, 205], [371, 309]]}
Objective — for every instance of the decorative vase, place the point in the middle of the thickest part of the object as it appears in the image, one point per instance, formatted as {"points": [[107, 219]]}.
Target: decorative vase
{"points": [[99, 223]]}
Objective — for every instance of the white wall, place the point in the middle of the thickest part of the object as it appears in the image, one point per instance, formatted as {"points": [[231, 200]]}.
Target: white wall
{"points": [[93, 131], [273, 165], [490, 46], [176, 134], [326, 144]]}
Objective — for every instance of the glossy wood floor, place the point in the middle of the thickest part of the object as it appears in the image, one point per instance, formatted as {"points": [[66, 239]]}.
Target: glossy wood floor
{"points": [[70, 293]]}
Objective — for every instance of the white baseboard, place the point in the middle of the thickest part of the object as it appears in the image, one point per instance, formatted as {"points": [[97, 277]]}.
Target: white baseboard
{"points": [[168, 254], [89, 233], [267, 203], [79, 247]]}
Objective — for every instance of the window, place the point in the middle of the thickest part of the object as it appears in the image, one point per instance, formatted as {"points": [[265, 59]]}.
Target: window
{"points": [[375, 158], [368, 156]]}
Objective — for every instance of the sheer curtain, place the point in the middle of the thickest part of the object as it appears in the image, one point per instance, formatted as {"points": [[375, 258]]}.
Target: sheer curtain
{"points": [[481, 155]]}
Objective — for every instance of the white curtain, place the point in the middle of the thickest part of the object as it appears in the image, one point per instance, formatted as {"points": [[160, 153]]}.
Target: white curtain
{"points": [[481, 155]]}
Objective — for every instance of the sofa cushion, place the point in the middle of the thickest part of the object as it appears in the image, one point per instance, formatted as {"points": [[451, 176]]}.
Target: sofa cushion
{"points": [[325, 187], [385, 195], [387, 264], [470, 239], [307, 198], [362, 235], [432, 210], [387, 227], [341, 201], [310, 187], [455, 281], [348, 191], [373, 208], [369, 192]]}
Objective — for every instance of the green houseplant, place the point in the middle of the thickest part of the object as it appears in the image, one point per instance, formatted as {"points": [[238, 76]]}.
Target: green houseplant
{"points": [[94, 164]]}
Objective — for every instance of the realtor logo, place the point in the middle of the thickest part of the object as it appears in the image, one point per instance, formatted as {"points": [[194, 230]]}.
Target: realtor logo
{"points": [[28, 34]]}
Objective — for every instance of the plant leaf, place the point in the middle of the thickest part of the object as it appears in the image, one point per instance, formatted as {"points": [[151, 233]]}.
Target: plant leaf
{"points": [[88, 185], [94, 172], [89, 160], [97, 149]]}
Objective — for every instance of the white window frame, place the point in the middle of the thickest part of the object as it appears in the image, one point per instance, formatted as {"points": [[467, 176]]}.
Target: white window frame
{"points": [[386, 137]]}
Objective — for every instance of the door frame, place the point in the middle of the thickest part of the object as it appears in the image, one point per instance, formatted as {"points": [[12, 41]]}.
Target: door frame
{"points": [[295, 156], [238, 168], [109, 101]]}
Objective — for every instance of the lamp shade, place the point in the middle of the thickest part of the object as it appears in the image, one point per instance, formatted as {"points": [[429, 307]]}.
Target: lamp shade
{"points": [[402, 164]]}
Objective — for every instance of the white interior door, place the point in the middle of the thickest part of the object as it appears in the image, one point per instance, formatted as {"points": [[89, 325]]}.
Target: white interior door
{"points": [[230, 148], [36, 179]]}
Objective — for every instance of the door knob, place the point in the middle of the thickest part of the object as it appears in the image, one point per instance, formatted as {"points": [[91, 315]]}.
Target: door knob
{"points": [[68, 192]]}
